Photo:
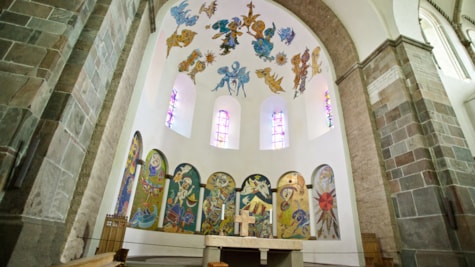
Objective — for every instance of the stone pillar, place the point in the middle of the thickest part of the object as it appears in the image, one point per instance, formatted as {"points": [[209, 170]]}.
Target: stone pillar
{"points": [[36, 41], [426, 157], [374, 205], [44, 211]]}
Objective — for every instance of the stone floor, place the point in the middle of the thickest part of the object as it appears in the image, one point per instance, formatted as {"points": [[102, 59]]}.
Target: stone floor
{"points": [[187, 262]]}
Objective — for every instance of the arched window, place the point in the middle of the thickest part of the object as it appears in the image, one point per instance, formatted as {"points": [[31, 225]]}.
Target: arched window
{"points": [[319, 108], [446, 58], [171, 109], [222, 129], [181, 107], [274, 129], [278, 130], [226, 122], [328, 109]]}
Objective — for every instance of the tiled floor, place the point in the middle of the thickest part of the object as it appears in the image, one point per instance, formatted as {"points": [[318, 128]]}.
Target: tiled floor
{"points": [[186, 262]]}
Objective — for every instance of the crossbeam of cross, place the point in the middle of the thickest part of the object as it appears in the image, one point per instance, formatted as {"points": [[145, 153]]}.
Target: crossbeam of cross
{"points": [[244, 219]]}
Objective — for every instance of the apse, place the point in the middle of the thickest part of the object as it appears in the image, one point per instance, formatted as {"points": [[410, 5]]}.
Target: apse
{"points": [[243, 89]]}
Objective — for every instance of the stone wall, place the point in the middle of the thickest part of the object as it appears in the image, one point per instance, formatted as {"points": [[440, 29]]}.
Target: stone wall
{"points": [[36, 39], [97, 163], [41, 212], [424, 151]]}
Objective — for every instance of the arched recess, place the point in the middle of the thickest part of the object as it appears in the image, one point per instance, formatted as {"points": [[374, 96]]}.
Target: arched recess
{"points": [[316, 108], [233, 109], [446, 56], [184, 105], [269, 106], [344, 57]]}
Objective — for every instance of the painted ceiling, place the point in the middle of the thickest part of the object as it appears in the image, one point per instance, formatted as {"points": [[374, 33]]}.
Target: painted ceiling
{"points": [[242, 48]]}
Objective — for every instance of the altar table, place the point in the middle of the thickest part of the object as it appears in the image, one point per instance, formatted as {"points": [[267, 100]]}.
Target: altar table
{"points": [[245, 251]]}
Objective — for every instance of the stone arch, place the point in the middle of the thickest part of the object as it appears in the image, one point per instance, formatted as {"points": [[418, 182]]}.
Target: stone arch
{"points": [[336, 39], [359, 119]]}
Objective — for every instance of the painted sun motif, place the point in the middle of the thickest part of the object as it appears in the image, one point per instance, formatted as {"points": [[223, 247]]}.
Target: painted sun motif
{"points": [[281, 58], [325, 205], [210, 57]]}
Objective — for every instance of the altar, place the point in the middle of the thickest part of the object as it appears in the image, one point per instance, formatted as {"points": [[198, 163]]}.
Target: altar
{"points": [[246, 251]]}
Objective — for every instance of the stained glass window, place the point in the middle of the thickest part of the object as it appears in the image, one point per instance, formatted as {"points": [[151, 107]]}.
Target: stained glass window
{"points": [[328, 109], [171, 109], [278, 130], [222, 129]]}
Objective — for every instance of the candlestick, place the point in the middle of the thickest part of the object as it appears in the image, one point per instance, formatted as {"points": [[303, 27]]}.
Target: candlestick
{"points": [[222, 212], [270, 216]]}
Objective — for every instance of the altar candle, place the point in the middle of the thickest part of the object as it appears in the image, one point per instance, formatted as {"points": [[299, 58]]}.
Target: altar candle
{"points": [[222, 212], [270, 216]]}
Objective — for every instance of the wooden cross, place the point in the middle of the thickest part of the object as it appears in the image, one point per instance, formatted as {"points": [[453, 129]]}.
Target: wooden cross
{"points": [[245, 219]]}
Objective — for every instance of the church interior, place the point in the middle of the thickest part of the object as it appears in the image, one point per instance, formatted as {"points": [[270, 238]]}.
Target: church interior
{"points": [[341, 132]]}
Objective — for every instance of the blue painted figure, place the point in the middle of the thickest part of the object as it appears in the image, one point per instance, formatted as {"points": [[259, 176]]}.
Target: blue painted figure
{"points": [[181, 15], [286, 35], [230, 31], [263, 45], [237, 77]]}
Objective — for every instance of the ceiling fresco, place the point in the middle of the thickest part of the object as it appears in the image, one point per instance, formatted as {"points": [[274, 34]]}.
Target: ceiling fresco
{"points": [[242, 48]]}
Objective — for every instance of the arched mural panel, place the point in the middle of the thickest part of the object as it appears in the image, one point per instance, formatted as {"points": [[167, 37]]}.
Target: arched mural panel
{"points": [[324, 203], [135, 151], [220, 192], [256, 197], [149, 192], [293, 217], [181, 211]]}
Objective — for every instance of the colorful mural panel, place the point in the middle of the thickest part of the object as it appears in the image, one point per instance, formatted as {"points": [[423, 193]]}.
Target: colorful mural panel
{"points": [[220, 192], [149, 193], [182, 201], [324, 201], [135, 150], [293, 217], [256, 197]]}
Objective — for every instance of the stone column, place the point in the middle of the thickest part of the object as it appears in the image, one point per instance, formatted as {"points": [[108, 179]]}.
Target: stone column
{"points": [[36, 41], [61, 186], [373, 202], [425, 154]]}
